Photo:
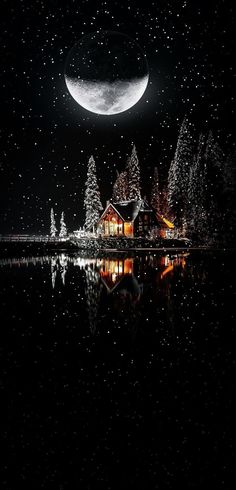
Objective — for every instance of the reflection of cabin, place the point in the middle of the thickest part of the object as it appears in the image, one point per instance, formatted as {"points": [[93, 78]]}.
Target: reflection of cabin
{"points": [[112, 271], [132, 219], [117, 275]]}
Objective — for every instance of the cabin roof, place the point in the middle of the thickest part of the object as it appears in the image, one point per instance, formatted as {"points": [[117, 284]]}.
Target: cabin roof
{"points": [[129, 210]]}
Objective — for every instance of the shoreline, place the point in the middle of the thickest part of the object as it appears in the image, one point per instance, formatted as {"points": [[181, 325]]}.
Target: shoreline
{"points": [[11, 249]]}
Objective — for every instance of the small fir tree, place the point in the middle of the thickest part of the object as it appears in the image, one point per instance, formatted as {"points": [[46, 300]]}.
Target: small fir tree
{"points": [[53, 229], [63, 229]]}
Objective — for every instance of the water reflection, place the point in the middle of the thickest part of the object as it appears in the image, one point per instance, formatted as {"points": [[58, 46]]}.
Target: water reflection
{"points": [[114, 282], [119, 367], [59, 267]]}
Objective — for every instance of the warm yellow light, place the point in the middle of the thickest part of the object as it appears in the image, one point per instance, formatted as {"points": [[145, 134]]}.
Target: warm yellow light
{"points": [[128, 266], [168, 223]]}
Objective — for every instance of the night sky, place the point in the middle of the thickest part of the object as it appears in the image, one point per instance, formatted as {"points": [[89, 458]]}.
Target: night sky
{"points": [[47, 138]]}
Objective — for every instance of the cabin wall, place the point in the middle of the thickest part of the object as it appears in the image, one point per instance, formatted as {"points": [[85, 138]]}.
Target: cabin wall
{"points": [[111, 224], [128, 229], [112, 227], [145, 224]]}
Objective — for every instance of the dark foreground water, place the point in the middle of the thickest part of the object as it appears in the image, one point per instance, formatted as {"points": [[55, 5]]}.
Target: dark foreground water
{"points": [[119, 372]]}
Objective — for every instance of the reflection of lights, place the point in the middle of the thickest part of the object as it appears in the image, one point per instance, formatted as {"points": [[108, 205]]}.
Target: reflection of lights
{"points": [[128, 266], [170, 264], [114, 270], [166, 260], [167, 270]]}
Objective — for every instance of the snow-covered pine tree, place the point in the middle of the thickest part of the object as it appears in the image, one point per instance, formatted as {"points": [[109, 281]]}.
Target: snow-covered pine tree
{"points": [[155, 191], [63, 229], [53, 228], [196, 216], [215, 161], [133, 171], [178, 177], [229, 195], [120, 188], [92, 200]]}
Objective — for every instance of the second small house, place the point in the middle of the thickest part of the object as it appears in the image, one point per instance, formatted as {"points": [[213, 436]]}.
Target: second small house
{"points": [[132, 219]]}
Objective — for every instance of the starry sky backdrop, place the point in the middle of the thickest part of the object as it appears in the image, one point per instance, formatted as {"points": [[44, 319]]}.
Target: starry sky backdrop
{"points": [[47, 138]]}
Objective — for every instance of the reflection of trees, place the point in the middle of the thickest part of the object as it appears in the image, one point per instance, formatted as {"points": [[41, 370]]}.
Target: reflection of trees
{"points": [[92, 292], [148, 291], [59, 265], [187, 295], [53, 271], [126, 303], [63, 261]]}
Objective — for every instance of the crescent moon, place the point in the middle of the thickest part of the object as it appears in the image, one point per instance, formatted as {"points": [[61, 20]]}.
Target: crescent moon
{"points": [[107, 98]]}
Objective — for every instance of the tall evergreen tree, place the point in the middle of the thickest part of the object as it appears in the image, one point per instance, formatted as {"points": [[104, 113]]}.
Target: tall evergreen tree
{"points": [[178, 178], [164, 206], [133, 172], [215, 175], [63, 229], [155, 191], [53, 228], [120, 188], [92, 200], [196, 216]]}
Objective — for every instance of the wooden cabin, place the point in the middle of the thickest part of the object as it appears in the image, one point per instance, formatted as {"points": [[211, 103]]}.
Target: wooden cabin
{"points": [[132, 219]]}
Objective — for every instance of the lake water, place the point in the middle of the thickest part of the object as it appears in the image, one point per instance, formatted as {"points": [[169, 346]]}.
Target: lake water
{"points": [[119, 371]]}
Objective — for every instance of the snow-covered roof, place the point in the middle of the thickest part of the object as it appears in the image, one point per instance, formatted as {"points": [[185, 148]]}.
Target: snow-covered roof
{"points": [[128, 210]]}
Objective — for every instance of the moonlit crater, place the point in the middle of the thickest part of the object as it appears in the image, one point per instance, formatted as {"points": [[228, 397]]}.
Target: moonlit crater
{"points": [[107, 97]]}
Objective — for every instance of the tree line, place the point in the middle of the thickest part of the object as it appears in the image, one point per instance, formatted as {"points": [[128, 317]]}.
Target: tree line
{"points": [[198, 194], [201, 188]]}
